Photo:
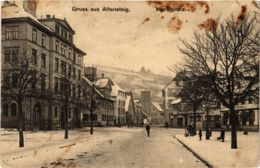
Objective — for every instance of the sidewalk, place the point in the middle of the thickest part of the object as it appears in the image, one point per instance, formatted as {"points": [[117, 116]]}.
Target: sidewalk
{"points": [[220, 155]]}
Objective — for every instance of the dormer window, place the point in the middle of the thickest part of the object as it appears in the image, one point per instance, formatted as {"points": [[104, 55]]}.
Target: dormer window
{"points": [[57, 29], [34, 35]]}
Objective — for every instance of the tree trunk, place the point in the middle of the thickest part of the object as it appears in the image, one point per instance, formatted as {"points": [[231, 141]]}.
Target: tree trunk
{"points": [[91, 122], [207, 124], [66, 135], [233, 121], [194, 118], [50, 115], [20, 124]]}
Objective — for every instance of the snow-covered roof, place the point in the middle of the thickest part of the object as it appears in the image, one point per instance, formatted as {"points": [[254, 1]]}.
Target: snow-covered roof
{"points": [[127, 102], [115, 89], [101, 83], [12, 11], [176, 101], [157, 106], [90, 84]]}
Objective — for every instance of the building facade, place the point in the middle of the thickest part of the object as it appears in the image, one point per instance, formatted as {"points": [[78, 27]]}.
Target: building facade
{"points": [[48, 42]]}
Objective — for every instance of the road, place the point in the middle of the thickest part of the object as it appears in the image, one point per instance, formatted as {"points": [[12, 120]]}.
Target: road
{"points": [[160, 150], [106, 148]]}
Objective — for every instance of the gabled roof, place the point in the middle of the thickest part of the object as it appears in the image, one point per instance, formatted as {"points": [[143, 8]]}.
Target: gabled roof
{"points": [[62, 22], [103, 82], [115, 89], [127, 102], [13, 11], [157, 106], [176, 101]]}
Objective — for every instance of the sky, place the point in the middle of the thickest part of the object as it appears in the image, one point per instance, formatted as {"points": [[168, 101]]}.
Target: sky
{"points": [[142, 36]]}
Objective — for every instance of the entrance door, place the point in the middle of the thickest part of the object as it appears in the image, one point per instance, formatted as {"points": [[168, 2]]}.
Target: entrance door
{"points": [[37, 116], [180, 122], [76, 118]]}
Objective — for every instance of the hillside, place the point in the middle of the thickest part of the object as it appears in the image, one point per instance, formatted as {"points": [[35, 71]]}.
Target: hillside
{"points": [[136, 81]]}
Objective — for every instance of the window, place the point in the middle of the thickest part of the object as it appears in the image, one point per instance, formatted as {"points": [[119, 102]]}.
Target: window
{"points": [[69, 70], [34, 57], [79, 74], [43, 40], [65, 35], [94, 117], [6, 80], [34, 35], [70, 37], [43, 61], [13, 109], [56, 85], [43, 82], [5, 109], [12, 33], [73, 91], [10, 54], [74, 72], [62, 49], [15, 80], [57, 46], [56, 64], [56, 112], [74, 57], [69, 53], [80, 60], [79, 92], [57, 29], [85, 117], [63, 67]]}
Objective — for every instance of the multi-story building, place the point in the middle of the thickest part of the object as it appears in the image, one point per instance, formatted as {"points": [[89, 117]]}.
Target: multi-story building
{"points": [[49, 43], [103, 110], [248, 114]]}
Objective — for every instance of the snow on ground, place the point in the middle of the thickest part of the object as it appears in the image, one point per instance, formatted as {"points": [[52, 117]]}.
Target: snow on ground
{"points": [[220, 155], [45, 149], [107, 148]]}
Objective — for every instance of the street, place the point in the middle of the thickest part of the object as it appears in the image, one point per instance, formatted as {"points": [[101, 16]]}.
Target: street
{"points": [[158, 150], [108, 147]]}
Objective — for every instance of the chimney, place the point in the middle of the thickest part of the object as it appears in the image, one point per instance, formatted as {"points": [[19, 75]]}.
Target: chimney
{"points": [[30, 7], [102, 75]]}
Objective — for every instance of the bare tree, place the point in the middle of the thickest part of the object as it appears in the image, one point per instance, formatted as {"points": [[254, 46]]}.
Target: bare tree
{"points": [[24, 76], [92, 98], [195, 90], [228, 53]]}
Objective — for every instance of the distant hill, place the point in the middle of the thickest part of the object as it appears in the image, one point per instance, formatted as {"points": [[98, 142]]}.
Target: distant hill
{"points": [[136, 81]]}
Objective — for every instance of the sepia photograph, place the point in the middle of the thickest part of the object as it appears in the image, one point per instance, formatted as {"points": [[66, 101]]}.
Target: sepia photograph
{"points": [[130, 84]]}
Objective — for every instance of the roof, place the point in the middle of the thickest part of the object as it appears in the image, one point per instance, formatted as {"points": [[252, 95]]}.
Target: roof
{"points": [[127, 102], [102, 83], [12, 11], [176, 101], [115, 89], [63, 22], [157, 106], [90, 84]]}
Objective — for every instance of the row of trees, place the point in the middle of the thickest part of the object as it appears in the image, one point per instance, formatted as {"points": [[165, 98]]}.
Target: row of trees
{"points": [[222, 64], [29, 83]]}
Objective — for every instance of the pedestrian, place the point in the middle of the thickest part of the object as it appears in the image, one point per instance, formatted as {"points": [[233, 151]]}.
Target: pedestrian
{"points": [[147, 127], [166, 125], [200, 134]]}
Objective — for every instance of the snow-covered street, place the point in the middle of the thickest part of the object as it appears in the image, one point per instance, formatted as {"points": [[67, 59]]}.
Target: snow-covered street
{"points": [[108, 147]]}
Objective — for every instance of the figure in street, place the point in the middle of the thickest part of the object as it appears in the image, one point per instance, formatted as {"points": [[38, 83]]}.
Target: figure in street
{"points": [[200, 134], [147, 127]]}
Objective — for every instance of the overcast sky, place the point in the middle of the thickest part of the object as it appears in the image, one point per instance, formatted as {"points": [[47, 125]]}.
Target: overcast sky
{"points": [[141, 37]]}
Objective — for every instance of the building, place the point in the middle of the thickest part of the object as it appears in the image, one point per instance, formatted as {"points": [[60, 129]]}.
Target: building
{"points": [[141, 116], [130, 110], [103, 110], [49, 44], [119, 108], [248, 115], [157, 114], [170, 93]]}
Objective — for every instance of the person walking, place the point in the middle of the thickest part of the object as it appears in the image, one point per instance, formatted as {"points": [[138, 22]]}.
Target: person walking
{"points": [[200, 134], [147, 127]]}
